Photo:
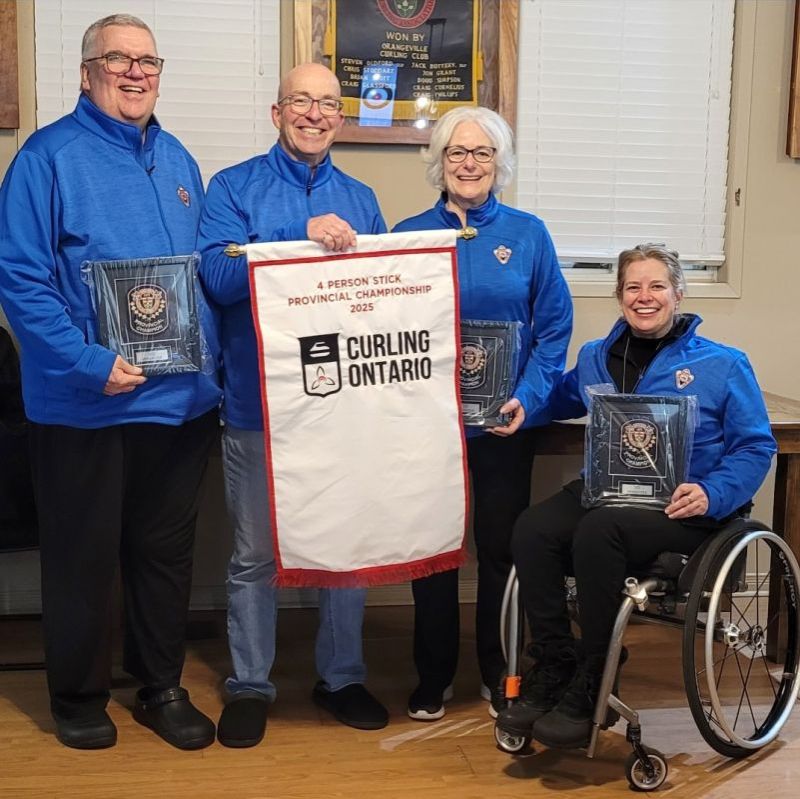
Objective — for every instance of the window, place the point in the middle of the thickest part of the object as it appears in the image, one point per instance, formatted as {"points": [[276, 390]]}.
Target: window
{"points": [[622, 131], [220, 77]]}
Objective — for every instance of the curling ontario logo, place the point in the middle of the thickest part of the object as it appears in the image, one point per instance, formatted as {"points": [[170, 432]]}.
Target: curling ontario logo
{"points": [[375, 359], [406, 13], [322, 372], [147, 309]]}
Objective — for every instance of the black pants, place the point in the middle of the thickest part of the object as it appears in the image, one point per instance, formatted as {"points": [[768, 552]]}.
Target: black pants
{"points": [[124, 494], [501, 489], [559, 537]]}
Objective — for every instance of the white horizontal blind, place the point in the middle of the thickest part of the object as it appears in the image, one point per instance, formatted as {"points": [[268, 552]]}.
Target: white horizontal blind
{"points": [[220, 76], [623, 123]]}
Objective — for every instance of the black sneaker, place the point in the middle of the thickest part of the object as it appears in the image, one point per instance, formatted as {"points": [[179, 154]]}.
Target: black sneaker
{"points": [[427, 703], [541, 688], [496, 697], [353, 705]]}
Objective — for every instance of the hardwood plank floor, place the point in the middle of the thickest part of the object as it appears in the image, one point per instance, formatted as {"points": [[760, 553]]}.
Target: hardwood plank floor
{"points": [[308, 754]]}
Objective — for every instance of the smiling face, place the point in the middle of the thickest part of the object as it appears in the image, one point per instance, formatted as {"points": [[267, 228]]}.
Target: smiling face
{"points": [[648, 300], [130, 97], [307, 137], [469, 183]]}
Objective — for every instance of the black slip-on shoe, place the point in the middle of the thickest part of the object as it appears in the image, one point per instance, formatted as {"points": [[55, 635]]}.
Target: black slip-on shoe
{"points": [[243, 721], [93, 731], [353, 705], [172, 716]]}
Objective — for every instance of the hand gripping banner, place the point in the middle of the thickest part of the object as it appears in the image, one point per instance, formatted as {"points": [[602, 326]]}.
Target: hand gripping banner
{"points": [[366, 459]]}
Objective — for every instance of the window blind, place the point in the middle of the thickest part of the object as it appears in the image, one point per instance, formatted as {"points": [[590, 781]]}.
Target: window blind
{"points": [[221, 69], [623, 114]]}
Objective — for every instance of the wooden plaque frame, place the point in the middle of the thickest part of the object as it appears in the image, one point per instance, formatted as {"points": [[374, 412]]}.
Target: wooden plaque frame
{"points": [[9, 77], [498, 42]]}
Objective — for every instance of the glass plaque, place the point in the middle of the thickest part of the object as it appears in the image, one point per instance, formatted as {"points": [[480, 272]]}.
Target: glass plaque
{"points": [[147, 312], [487, 370], [638, 448]]}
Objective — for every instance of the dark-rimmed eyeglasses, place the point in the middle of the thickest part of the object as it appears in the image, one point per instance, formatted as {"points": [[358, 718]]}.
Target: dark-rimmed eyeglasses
{"points": [[456, 154], [301, 104], [119, 64]]}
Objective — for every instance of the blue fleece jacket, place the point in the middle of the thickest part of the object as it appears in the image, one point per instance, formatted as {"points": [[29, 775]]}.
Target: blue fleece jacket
{"points": [[733, 444], [268, 198], [88, 188], [524, 285]]}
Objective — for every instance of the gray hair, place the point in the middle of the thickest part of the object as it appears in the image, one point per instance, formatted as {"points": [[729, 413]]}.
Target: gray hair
{"points": [[659, 252], [124, 20], [492, 124]]}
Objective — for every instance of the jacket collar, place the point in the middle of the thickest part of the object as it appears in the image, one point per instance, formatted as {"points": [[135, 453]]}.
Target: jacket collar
{"points": [[683, 327], [476, 217], [297, 172], [112, 130]]}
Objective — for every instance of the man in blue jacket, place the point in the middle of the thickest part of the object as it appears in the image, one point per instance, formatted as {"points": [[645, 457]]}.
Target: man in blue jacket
{"points": [[293, 192], [118, 458]]}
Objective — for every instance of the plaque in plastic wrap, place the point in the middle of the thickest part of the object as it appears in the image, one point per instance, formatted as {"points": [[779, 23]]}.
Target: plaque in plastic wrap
{"points": [[487, 370], [638, 448], [147, 312]]}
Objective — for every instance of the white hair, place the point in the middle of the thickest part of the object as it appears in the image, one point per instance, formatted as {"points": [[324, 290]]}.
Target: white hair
{"points": [[492, 124], [124, 20]]}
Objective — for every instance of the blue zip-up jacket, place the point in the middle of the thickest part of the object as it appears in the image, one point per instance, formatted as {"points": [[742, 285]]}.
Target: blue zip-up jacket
{"points": [[528, 287], [733, 443], [269, 198], [88, 188]]}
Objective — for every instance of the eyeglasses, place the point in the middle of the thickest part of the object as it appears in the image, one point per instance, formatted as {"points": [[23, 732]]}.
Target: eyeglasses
{"points": [[119, 64], [456, 154], [302, 103]]}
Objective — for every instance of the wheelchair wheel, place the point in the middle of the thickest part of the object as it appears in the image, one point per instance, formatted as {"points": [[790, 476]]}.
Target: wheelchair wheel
{"points": [[646, 777], [509, 742], [738, 698]]}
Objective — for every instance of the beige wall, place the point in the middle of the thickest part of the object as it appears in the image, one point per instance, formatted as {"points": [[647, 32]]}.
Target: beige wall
{"points": [[764, 320]]}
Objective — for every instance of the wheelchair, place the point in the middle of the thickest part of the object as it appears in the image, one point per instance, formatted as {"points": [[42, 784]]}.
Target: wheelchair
{"points": [[739, 698]]}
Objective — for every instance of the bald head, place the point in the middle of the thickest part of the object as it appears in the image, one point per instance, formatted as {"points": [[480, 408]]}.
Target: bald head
{"points": [[307, 133]]}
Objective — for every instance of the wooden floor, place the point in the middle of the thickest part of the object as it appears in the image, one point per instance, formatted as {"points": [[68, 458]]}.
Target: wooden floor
{"points": [[307, 754]]}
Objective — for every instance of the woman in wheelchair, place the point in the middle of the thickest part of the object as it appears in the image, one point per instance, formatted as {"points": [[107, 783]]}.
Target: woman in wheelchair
{"points": [[651, 350]]}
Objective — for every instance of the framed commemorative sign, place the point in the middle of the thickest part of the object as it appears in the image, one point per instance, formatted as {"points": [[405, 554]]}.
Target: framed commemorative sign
{"points": [[147, 312], [487, 368], [403, 63], [637, 448]]}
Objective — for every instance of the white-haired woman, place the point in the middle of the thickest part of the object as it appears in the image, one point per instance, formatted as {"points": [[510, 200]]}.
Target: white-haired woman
{"points": [[507, 272]]}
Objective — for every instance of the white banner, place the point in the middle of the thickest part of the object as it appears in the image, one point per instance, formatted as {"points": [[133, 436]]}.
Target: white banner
{"points": [[365, 451]]}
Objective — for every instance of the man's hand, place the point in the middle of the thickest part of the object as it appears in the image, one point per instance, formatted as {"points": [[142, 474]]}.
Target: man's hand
{"points": [[332, 232], [514, 407], [124, 378], [688, 499]]}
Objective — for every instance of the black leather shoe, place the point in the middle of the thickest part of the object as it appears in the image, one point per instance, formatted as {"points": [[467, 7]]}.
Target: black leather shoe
{"points": [[243, 721], [353, 705], [94, 731], [171, 715]]}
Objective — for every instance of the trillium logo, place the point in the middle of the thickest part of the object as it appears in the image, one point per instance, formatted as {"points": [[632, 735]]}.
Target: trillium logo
{"points": [[319, 357]]}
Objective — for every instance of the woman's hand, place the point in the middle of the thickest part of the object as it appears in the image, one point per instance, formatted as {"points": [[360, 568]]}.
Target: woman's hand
{"points": [[688, 499], [514, 407]]}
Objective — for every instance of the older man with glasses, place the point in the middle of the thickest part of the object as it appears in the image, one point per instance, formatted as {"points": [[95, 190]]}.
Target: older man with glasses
{"points": [[293, 192], [118, 458]]}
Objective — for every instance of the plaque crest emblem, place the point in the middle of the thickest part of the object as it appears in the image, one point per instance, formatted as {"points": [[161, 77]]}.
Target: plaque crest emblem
{"points": [[472, 367], [683, 377], [183, 196], [502, 253], [406, 13], [147, 309], [639, 444], [320, 361]]}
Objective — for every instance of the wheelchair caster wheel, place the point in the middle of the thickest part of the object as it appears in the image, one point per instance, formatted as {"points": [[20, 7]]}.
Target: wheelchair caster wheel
{"points": [[646, 776], [510, 743]]}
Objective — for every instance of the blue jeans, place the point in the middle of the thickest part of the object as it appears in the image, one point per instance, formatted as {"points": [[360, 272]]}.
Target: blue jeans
{"points": [[252, 595]]}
